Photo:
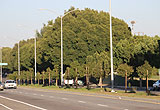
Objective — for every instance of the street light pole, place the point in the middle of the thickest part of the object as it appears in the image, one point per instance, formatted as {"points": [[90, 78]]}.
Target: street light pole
{"points": [[62, 45], [18, 64], [61, 39], [111, 50], [61, 52], [35, 61]]}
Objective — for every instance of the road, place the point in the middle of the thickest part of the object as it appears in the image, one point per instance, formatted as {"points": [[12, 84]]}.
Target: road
{"points": [[40, 99]]}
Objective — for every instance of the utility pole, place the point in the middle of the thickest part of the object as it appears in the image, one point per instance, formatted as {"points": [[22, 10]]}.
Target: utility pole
{"points": [[111, 50]]}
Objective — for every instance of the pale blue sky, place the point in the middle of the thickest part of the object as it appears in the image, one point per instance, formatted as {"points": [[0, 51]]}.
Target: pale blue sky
{"points": [[20, 18]]}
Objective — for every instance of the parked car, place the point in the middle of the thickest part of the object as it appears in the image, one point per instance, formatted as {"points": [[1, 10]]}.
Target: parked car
{"points": [[1, 86], [80, 83], [70, 82], [156, 85], [10, 84]]}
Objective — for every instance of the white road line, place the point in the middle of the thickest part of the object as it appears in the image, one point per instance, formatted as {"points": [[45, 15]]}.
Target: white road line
{"points": [[81, 101], [23, 103], [51, 96], [6, 107], [20, 92], [125, 109], [34, 94], [42, 95], [102, 105], [64, 98]]}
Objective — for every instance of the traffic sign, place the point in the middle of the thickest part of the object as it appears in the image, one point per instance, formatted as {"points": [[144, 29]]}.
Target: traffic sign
{"points": [[3, 63]]}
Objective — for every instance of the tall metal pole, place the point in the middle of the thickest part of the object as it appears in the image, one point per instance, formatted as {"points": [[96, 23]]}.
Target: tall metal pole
{"points": [[111, 50], [1, 61], [61, 52], [18, 64], [35, 61]]}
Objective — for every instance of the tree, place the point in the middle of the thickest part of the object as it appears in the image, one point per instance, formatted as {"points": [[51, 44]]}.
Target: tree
{"points": [[56, 73], [31, 74], [125, 70], [38, 77], [43, 76], [76, 71], [49, 75], [101, 68], [145, 71]]}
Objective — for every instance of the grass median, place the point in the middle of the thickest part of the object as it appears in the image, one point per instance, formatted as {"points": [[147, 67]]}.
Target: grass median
{"points": [[137, 94]]}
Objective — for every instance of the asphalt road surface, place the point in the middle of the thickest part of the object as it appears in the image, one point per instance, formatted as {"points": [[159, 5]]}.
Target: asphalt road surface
{"points": [[40, 99]]}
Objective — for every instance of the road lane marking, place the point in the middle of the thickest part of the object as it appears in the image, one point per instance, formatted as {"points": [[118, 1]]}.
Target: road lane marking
{"points": [[125, 109], [51, 96], [34, 94], [20, 92], [64, 98], [23, 103], [82, 101], [42, 95], [5, 107], [102, 105]]}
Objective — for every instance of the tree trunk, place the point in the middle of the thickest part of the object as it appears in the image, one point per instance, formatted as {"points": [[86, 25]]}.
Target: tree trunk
{"points": [[147, 82], [27, 80], [140, 83], [31, 78], [126, 82], [68, 77], [38, 81], [100, 81], [43, 78], [76, 82], [76, 79], [56, 82], [86, 76], [17, 81], [49, 79]]}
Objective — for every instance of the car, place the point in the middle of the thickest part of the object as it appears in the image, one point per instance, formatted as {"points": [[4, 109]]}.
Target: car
{"points": [[1, 86], [79, 83], [10, 84], [156, 85]]}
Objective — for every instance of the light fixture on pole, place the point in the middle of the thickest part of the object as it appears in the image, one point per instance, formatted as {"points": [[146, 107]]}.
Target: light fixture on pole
{"points": [[111, 50], [133, 22]]}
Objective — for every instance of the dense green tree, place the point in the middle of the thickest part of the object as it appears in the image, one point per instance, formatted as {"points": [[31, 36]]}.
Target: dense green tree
{"points": [[145, 71], [125, 70]]}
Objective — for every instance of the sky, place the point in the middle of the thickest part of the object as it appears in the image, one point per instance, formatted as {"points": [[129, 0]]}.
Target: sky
{"points": [[20, 18]]}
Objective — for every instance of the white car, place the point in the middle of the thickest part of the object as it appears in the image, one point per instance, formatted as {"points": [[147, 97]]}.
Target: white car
{"points": [[156, 85], [10, 84]]}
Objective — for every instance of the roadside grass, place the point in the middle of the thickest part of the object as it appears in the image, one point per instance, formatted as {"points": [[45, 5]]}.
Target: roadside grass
{"points": [[137, 94], [155, 77]]}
